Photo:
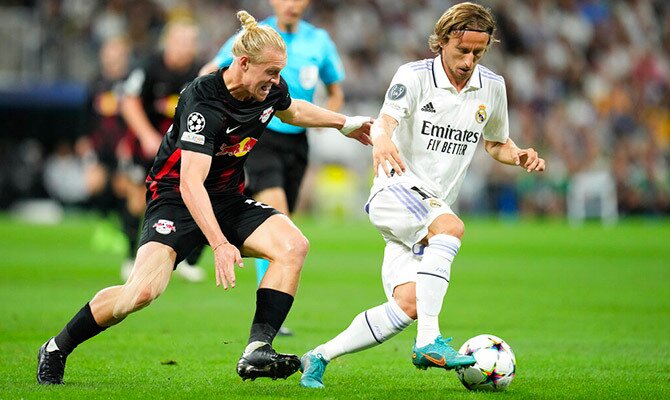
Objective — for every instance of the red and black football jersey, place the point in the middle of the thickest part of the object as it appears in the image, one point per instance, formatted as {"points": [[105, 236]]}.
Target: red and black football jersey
{"points": [[158, 87], [105, 126], [211, 121]]}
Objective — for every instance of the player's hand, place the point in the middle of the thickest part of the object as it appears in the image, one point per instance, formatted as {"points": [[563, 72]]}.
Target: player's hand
{"points": [[358, 128], [362, 134], [225, 257], [528, 159], [150, 144], [385, 153]]}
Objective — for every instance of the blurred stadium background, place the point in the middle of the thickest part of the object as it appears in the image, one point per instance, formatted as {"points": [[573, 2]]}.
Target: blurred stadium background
{"points": [[588, 85], [586, 309]]}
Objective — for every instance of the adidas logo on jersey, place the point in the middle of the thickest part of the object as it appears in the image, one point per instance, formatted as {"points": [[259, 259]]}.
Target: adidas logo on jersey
{"points": [[428, 107]]}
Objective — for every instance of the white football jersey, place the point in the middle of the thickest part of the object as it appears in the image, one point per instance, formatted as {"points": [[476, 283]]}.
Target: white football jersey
{"points": [[439, 128]]}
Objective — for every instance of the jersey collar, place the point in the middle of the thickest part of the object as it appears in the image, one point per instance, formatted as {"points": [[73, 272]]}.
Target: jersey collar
{"points": [[441, 79]]}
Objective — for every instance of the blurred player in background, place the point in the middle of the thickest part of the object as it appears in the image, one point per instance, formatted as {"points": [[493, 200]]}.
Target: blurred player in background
{"points": [[152, 92], [105, 128], [276, 168], [435, 113], [196, 197]]}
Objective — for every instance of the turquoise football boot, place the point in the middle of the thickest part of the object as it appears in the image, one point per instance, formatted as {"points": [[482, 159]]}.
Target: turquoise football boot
{"points": [[312, 366], [439, 355]]}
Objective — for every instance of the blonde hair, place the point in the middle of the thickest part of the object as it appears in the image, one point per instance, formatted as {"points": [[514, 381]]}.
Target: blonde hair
{"points": [[174, 25], [254, 38], [460, 18]]}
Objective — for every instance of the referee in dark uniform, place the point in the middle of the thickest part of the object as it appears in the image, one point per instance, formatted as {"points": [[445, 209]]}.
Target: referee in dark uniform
{"points": [[195, 197]]}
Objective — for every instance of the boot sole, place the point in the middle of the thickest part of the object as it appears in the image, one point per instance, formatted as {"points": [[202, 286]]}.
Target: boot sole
{"points": [[278, 369]]}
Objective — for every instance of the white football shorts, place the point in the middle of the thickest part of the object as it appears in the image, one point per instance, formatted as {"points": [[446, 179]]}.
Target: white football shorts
{"points": [[402, 213]]}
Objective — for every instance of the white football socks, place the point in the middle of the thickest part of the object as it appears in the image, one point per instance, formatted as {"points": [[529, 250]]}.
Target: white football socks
{"points": [[432, 281], [368, 329]]}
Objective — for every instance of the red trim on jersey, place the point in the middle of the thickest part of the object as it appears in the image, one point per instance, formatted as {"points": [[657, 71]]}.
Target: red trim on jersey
{"points": [[167, 167]]}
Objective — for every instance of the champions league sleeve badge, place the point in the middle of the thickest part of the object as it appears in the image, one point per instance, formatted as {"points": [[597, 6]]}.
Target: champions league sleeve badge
{"points": [[195, 122], [480, 115], [396, 92]]}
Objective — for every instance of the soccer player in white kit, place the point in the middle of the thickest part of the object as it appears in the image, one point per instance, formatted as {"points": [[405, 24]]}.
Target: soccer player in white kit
{"points": [[435, 113]]}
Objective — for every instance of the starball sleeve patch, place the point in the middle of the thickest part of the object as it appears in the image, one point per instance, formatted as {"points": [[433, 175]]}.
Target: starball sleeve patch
{"points": [[396, 92], [195, 122]]}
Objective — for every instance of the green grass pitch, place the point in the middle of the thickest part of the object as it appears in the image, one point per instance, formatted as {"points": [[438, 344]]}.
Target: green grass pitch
{"points": [[586, 310]]}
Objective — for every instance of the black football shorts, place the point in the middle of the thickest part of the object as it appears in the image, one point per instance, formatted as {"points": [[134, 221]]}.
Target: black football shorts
{"points": [[277, 160], [168, 221]]}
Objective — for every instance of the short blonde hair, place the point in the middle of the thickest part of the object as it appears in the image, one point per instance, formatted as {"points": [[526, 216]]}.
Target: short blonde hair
{"points": [[460, 18], [254, 38], [174, 25]]}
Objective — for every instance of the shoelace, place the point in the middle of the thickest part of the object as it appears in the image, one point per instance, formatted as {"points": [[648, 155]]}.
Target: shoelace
{"points": [[54, 360], [448, 348], [319, 365]]}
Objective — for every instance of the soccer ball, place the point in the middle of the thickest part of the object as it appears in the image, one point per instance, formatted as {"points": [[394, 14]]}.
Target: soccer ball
{"points": [[495, 366]]}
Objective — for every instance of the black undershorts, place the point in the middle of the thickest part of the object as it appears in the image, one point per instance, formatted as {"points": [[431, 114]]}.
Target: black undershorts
{"points": [[277, 160]]}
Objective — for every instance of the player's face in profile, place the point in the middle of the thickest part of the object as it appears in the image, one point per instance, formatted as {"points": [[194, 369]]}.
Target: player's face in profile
{"points": [[461, 54], [260, 77], [289, 11]]}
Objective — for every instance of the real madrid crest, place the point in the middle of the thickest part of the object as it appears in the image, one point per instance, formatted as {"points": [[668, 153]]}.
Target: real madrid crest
{"points": [[434, 203], [480, 115]]}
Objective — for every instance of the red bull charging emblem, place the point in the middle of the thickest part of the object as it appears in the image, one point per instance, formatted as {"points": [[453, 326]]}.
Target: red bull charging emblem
{"points": [[238, 150]]}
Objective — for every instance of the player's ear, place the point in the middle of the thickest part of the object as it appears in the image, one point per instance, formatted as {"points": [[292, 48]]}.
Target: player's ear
{"points": [[244, 63]]}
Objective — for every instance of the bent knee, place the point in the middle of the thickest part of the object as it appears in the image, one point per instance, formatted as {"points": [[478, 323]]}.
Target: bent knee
{"points": [[448, 224], [457, 229], [295, 248], [407, 304], [146, 296], [133, 299]]}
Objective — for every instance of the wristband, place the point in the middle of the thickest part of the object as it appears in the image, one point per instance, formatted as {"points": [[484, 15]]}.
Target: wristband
{"points": [[353, 123]]}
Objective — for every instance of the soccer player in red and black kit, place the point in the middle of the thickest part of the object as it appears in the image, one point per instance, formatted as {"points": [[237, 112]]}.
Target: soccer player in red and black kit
{"points": [[195, 197], [105, 128], [151, 94]]}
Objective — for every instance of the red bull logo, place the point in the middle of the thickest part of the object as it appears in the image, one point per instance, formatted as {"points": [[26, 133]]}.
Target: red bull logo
{"points": [[238, 150]]}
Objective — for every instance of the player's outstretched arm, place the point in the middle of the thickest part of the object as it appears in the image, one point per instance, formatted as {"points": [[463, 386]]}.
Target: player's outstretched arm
{"points": [[509, 153], [308, 115], [384, 151], [194, 169]]}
